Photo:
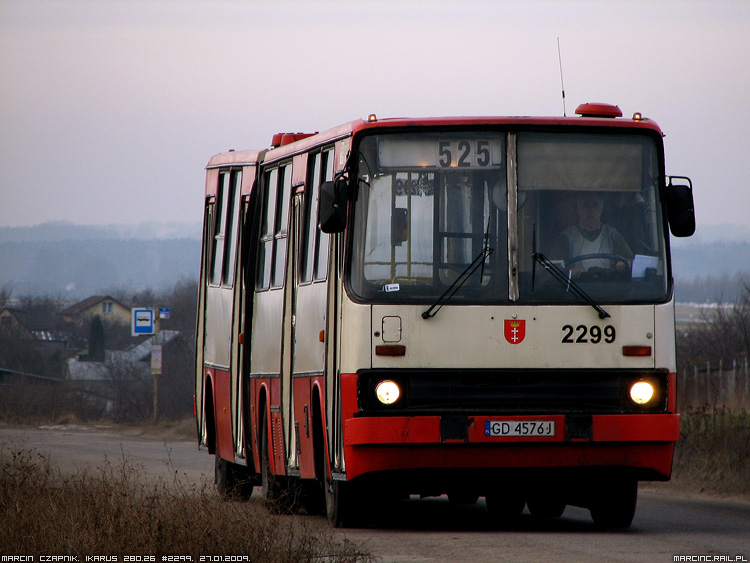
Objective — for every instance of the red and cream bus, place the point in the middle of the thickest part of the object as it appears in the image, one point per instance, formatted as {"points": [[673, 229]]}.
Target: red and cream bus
{"points": [[476, 307]]}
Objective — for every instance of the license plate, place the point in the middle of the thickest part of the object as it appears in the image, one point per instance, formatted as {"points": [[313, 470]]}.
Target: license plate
{"points": [[529, 428]]}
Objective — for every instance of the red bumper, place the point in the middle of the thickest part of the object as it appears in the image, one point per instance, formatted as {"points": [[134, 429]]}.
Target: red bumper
{"points": [[644, 443]]}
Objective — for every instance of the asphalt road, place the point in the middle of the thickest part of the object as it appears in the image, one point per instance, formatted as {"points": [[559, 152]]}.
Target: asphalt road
{"points": [[666, 524]]}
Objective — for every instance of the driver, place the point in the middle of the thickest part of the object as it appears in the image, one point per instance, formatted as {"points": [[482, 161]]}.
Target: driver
{"points": [[591, 236]]}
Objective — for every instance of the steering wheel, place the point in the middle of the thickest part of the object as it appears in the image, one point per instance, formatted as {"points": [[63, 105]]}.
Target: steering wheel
{"points": [[598, 273]]}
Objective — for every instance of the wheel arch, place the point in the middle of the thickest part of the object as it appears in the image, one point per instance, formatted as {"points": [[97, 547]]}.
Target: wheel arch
{"points": [[209, 415]]}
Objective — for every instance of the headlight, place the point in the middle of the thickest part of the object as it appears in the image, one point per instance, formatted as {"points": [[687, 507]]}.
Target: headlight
{"points": [[387, 392], [641, 392]]}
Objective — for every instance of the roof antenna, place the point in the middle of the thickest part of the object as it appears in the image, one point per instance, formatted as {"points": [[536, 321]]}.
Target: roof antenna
{"points": [[562, 85]]}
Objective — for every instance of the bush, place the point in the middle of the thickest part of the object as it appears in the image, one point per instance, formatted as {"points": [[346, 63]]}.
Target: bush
{"points": [[713, 453], [24, 401], [114, 511]]}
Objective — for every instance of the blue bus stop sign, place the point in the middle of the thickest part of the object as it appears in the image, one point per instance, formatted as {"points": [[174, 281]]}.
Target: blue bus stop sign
{"points": [[142, 322]]}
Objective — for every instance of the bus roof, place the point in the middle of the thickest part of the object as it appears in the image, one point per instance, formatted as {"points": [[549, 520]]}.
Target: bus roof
{"points": [[593, 115]]}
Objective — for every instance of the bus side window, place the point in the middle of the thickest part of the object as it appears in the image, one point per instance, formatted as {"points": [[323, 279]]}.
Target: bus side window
{"points": [[224, 239], [232, 225], [315, 243], [217, 256], [324, 239], [275, 231], [265, 251], [310, 232], [282, 225]]}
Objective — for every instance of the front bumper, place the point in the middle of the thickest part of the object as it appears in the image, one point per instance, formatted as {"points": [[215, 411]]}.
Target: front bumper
{"points": [[640, 443]]}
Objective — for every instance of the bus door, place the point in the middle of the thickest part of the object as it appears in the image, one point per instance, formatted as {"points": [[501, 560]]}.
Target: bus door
{"points": [[219, 310], [268, 311], [309, 305]]}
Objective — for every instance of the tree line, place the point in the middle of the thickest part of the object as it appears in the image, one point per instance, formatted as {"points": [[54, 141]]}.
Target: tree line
{"points": [[712, 288], [720, 338]]}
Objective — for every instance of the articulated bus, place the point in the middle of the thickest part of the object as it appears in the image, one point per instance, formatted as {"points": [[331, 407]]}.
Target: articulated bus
{"points": [[470, 307]]}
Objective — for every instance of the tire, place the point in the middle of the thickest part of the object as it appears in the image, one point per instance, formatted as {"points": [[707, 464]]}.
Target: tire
{"points": [[613, 504], [233, 482], [223, 477], [312, 498], [340, 504], [313, 494], [271, 490]]}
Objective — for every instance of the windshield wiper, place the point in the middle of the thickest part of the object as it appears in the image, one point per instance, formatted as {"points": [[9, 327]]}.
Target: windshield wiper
{"points": [[560, 276], [458, 282]]}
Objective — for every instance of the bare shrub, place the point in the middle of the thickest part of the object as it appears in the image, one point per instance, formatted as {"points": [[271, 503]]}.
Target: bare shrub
{"points": [[130, 389], [114, 511], [31, 400], [724, 334], [713, 453]]}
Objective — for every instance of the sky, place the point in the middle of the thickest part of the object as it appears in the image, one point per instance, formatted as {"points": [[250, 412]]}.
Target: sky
{"points": [[110, 110]]}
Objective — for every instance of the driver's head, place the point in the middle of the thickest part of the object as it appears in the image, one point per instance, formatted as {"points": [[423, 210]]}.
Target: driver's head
{"points": [[589, 206]]}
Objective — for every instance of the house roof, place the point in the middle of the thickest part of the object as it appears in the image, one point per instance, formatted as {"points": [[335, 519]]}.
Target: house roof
{"points": [[22, 318], [138, 356], [142, 352], [39, 325], [86, 304]]}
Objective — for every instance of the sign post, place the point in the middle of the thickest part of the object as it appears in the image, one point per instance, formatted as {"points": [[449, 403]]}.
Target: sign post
{"points": [[143, 323]]}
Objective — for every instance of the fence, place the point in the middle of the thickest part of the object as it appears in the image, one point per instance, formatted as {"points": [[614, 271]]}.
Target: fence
{"points": [[723, 387]]}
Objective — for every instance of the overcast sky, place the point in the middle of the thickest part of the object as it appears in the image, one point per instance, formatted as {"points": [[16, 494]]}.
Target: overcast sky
{"points": [[109, 110]]}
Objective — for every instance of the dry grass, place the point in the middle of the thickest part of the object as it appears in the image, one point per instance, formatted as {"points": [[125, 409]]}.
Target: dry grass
{"points": [[112, 511], [713, 454]]}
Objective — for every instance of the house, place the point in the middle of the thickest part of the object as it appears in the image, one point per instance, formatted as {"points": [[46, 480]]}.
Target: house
{"points": [[122, 384], [13, 322], [19, 323], [108, 309]]}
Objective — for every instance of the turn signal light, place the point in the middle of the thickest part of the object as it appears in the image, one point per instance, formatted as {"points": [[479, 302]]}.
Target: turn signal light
{"points": [[390, 350], [636, 351]]}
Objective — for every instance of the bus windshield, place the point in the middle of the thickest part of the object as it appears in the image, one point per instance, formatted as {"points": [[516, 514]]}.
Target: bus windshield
{"points": [[438, 211]]}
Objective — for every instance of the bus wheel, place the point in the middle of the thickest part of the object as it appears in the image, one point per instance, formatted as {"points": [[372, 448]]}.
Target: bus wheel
{"points": [[613, 503], [269, 485], [505, 504], [312, 498], [340, 505], [223, 477], [234, 481]]}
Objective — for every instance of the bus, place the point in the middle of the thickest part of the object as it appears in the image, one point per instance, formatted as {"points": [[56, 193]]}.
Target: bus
{"points": [[462, 306]]}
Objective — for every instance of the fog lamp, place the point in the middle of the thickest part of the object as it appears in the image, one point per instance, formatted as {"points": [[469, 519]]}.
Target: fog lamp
{"points": [[387, 392], [641, 392]]}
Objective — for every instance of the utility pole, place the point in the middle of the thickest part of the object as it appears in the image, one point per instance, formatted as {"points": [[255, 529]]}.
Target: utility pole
{"points": [[157, 351], [156, 358]]}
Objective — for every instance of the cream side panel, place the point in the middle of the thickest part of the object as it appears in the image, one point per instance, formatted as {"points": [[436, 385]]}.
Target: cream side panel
{"points": [[310, 320], [475, 337], [266, 338], [218, 326], [356, 336], [665, 336]]}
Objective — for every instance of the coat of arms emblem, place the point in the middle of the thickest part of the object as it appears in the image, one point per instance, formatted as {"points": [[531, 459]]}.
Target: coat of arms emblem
{"points": [[515, 330]]}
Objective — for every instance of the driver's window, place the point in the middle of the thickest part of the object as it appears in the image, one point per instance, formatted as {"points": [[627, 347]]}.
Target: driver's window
{"points": [[588, 202]]}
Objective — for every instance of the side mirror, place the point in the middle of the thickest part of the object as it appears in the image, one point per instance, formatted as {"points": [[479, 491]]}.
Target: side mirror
{"points": [[332, 206], [680, 209]]}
